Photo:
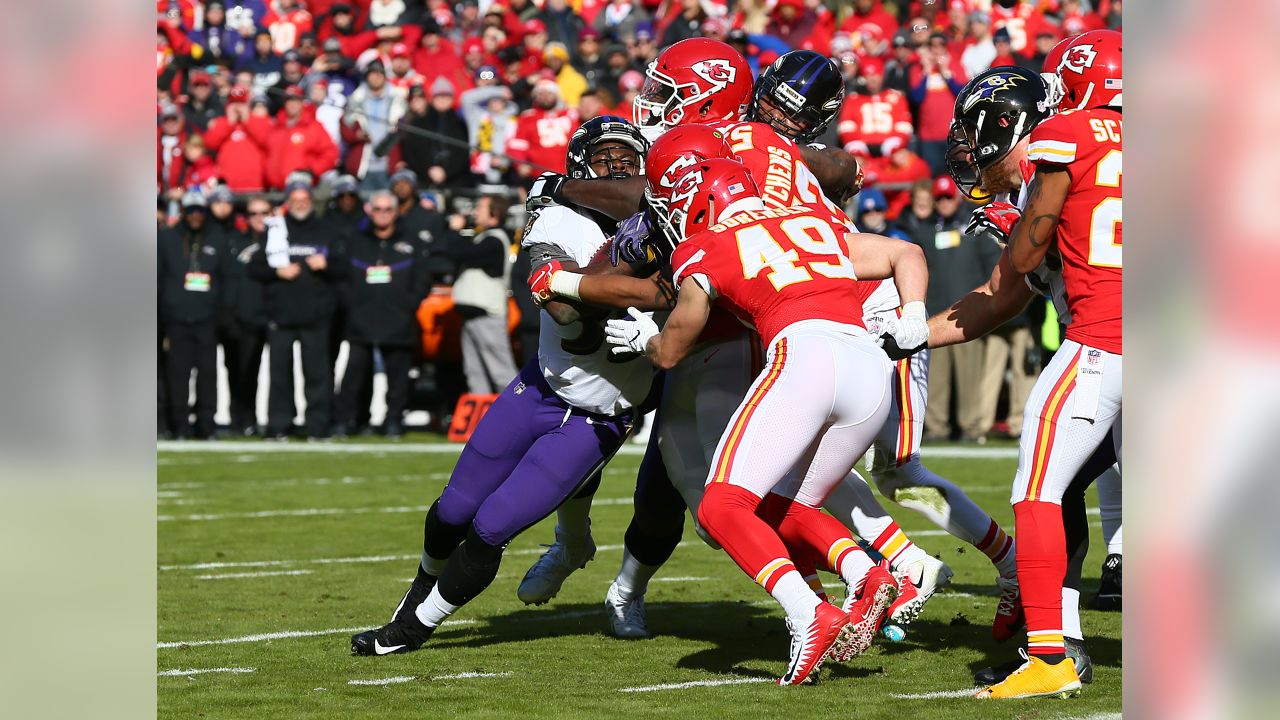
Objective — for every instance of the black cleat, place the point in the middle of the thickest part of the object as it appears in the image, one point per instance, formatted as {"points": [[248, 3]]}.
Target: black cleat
{"points": [[1109, 597], [417, 593], [392, 638], [1075, 651]]}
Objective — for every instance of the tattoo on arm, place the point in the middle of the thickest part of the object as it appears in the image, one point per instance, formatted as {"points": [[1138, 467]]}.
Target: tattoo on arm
{"points": [[665, 295], [1042, 230]]}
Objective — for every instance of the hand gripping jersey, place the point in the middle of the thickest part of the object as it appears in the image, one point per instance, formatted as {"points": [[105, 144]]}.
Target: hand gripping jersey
{"points": [[575, 359], [776, 267], [1087, 143]]}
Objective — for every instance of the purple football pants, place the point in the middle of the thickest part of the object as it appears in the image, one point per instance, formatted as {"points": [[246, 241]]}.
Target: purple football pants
{"points": [[530, 452]]}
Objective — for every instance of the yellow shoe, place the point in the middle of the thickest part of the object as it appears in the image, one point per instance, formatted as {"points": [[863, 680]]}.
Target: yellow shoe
{"points": [[1036, 678]]}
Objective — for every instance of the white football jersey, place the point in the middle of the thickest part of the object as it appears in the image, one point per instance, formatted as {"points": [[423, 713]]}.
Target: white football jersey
{"points": [[575, 358]]}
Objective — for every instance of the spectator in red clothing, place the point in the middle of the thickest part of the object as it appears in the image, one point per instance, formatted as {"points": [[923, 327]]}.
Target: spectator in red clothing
{"points": [[1076, 21], [901, 167], [685, 21], [934, 86], [298, 143], [1004, 49], [629, 86], [287, 20], [169, 142], [542, 132], [535, 42], [870, 11], [876, 117], [239, 139], [402, 74], [197, 167], [797, 26]]}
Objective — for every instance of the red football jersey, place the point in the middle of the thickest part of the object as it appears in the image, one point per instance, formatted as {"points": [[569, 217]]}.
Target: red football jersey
{"points": [[775, 163], [873, 119], [542, 138], [776, 267], [286, 28], [1087, 143]]}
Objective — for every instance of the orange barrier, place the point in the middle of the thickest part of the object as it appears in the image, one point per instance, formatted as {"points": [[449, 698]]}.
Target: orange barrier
{"points": [[470, 409]]}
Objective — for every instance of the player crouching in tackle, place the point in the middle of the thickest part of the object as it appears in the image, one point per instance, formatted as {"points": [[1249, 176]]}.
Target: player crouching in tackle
{"points": [[549, 432], [814, 409]]}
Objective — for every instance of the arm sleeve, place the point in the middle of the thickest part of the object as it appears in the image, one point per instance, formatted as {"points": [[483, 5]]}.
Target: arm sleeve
{"points": [[541, 253]]}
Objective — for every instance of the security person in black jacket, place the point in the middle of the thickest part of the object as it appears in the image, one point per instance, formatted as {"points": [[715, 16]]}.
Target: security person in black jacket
{"points": [[304, 257], [191, 279], [243, 331], [388, 281]]}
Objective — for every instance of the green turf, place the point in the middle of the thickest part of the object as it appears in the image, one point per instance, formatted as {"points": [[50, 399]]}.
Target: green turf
{"points": [[556, 661]]}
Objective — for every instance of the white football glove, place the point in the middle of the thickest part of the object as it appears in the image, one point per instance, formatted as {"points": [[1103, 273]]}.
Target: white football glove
{"points": [[912, 329], [630, 334]]}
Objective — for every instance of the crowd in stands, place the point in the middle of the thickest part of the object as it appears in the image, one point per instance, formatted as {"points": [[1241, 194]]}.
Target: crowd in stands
{"points": [[442, 101]]}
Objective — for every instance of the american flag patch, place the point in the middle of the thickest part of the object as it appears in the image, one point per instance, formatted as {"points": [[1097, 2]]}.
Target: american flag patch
{"points": [[736, 188], [1113, 84]]}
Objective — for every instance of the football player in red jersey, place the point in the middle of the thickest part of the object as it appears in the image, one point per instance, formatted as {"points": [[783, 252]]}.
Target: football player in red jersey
{"points": [[812, 411], [1074, 209]]}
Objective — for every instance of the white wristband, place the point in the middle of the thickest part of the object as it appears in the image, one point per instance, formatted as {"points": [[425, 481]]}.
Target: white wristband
{"points": [[565, 284], [911, 309]]}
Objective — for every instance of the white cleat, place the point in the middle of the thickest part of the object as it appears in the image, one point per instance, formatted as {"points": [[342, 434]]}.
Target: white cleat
{"points": [[542, 582], [626, 617], [928, 575]]}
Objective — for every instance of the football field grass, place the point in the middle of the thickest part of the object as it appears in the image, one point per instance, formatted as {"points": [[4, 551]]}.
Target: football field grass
{"points": [[271, 556]]}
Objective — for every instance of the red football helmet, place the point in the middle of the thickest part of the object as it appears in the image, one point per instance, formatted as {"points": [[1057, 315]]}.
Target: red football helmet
{"points": [[1049, 71], [1090, 70], [701, 196], [694, 80], [677, 150]]}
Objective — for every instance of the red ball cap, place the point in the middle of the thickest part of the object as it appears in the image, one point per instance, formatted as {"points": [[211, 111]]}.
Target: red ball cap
{"points": [[944, 186]]}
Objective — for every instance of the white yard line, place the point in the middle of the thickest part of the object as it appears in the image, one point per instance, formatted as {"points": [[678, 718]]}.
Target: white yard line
{"points": [[384, 681], [262, 637], [300, 512], [201, 671], [695, 683], [937, 695], [409, 678], [234, 446], [689, 578], [270, 573]]}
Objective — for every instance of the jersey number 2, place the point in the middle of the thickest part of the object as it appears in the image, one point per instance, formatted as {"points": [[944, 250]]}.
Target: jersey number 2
{"points": [[758, 251], [1105, 238]]}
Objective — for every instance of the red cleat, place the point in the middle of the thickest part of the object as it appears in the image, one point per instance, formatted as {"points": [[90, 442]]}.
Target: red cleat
{"points": [[866, 610], [811, 645]]}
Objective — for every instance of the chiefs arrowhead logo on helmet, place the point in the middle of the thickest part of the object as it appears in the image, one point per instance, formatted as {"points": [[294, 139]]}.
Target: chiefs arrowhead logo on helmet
{"points": [[1077, 58], [677, 169], [716, 70]]}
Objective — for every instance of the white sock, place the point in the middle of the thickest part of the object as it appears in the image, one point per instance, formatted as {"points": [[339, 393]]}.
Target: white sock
{"points": [[1071, 614], [433, 566], [434, 609], [795, 596], [855, 566], [573, 524], [633, 576], [1115, 546]]}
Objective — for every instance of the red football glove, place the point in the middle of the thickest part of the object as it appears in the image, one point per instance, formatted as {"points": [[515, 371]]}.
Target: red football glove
{"points": [[998, 218], [540, 281]]}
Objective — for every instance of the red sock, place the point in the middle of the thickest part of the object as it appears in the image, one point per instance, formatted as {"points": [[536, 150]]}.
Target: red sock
{"points": [[1041, 551], [728, 514]]}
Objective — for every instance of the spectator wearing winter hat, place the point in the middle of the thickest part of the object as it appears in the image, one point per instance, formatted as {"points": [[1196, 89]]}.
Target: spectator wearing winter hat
{"points": [[542, 133], [571, 82], [373, 111], [684, 20], [191, 268], [588, 59], [401, 75], [1045, 40], [562, 23], [308, 48], [474, 55], [239, 139], [981, 50], [871, 205], [434, 144], [333, 66], [618, 20], [1005, 55], [298, 143], [897, 68], [290, 75], [490, 115], [934, 86], [798, 27], [629, 86]]}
